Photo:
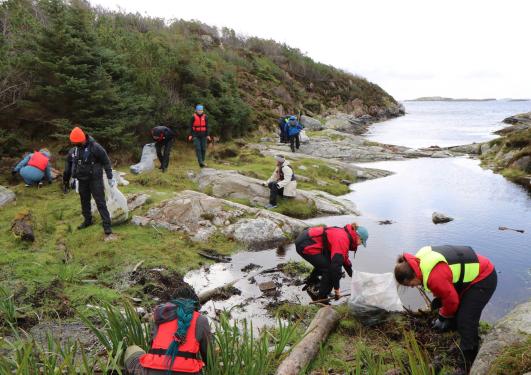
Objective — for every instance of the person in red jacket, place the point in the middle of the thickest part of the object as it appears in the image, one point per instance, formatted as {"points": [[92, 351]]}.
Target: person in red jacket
{"points": [[326, 249], [462, 282], [181, 337]]}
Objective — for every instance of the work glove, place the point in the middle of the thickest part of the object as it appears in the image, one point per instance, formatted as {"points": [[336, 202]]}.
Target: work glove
{"points": [[349, 271], [13, 173], [337, 294], [442, 324], [209, 138], [189, 138], [112, 182], [436, 304]]}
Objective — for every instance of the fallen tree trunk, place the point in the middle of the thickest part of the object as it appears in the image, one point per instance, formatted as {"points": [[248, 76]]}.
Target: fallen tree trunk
{"points": [[322, 324], [208, 294]]}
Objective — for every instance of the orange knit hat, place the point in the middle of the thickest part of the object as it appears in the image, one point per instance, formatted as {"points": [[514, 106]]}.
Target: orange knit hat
{"points": [[77, 135]]}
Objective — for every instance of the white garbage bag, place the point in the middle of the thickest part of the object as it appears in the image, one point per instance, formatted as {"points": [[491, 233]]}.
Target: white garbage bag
{"points": [[303, 137], [373, 296], [149, 154], [116, 203], [119, 178]]}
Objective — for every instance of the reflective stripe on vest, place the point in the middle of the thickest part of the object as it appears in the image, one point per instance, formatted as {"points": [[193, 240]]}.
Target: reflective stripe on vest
{"points": [[38, 160], [186, 360], [199, 124], [462, 260]]}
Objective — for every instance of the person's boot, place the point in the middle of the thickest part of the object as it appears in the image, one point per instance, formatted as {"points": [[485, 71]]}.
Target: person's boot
{"points": [[84, 225]]}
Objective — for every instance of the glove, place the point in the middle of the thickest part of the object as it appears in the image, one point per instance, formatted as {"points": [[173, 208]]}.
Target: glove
{"points": [[112, 182], [436, 304], [349, 271], [189, 138], [209, 138], [442, 324], [337, 294], [13, 173]]}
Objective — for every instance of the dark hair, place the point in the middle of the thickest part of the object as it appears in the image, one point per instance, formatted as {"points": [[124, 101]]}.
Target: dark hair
{"points": [[403, 271], [185, 291]]}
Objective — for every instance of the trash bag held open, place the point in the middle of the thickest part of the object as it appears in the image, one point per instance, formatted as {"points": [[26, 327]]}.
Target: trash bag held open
{"points": [[373, 296], [149, 154]]}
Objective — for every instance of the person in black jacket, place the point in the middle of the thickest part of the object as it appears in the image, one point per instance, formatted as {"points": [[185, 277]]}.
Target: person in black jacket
{"points": [[163, 137], [85, 163]]}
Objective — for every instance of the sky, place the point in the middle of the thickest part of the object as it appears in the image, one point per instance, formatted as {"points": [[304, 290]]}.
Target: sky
{"points": [[411, 48]]}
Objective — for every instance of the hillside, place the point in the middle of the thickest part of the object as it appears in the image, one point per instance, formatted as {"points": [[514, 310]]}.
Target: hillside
{"points": [[118, 74], [510, 154]]}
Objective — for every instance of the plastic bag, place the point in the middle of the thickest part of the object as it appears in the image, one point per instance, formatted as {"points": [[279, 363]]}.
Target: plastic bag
{"points": [[303, 137], [116, 203], [149, 154], [373, 296]]}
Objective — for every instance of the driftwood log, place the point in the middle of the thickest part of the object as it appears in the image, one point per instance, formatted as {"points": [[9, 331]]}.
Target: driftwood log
{"points": [[322, 324], [22, 226], [207, 295]]}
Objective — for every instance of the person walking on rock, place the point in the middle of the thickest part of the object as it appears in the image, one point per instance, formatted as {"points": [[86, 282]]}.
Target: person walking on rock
{"points": [[293, 129], [86, 162], [164, 138], [34, 168], [282, 182], [199, 134], [327, 250], [462, 282], [181, 337]]}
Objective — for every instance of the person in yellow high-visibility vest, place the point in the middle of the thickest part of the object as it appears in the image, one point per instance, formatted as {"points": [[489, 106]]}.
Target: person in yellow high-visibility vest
{"points": [[462, 282]]}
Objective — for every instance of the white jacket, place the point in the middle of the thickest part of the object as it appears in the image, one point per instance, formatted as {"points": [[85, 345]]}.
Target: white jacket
{"points": [[290, 187]]}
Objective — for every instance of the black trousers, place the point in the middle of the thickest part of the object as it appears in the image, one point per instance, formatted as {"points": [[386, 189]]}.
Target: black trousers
{"points": [[320, 263], [94, 188], [163, 153], [473, 301], [294, 141], [274, 192]]}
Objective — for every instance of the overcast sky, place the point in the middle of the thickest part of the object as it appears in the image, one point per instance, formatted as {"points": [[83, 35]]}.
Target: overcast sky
{"points": [[412, 48]]}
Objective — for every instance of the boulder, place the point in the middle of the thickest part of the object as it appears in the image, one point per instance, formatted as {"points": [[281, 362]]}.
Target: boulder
{"points": [[440, 218], [22, 226], [523, 163], [514, 328], [201, 216], [303, 137], [137, 200], [472, 149], [6, 196], [311, 123], [441, 154], [231, 184]]}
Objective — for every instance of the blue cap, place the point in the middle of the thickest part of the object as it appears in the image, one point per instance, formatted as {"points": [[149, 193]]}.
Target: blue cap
{"points": [[199, 107], [292, 117], [363, 233]]}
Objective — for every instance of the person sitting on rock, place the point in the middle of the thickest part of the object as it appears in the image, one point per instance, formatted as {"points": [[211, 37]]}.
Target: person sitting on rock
{"points": [[326, 249], [282, 182], [181, 337], [293, 129], [163, 137], [462, 282], [34, 168]]}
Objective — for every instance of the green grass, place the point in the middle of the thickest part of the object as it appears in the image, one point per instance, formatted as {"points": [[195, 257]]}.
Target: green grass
{"points": [[515, 359]]}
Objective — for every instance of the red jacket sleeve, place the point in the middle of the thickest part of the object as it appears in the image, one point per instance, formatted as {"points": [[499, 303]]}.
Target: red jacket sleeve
{"points": [[441, 285]]}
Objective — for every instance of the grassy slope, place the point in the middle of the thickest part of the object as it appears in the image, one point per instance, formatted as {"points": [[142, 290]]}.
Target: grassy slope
{"points": [[38, 270]]}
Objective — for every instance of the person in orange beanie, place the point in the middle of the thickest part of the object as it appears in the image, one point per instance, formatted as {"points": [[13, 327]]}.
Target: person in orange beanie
{"points": [[85, 163]]}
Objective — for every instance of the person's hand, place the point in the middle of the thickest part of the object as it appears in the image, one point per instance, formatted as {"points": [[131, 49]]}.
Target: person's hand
{"points": [[189, 138], [442, 324], [349, 271], [436, 304], [13, 172], [337, 294], [209, 138], [112, 182]]}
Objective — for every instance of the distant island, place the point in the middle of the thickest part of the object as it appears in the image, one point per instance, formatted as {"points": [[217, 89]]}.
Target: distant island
{"points": [[443, 99]]}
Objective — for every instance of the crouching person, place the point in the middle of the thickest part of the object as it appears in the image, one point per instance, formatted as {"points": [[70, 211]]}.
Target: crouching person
{"points": [[282, 182], [462, 282], [181, 337], [35, 168], [327, 250]]}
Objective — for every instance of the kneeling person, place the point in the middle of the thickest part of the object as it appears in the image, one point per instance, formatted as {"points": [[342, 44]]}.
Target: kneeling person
{"points": [[462, 282], [326, 249], [180, 342], [282, 182]]}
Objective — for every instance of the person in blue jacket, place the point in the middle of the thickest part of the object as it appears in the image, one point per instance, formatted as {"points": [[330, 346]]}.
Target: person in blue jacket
{"points": [[293, 129], [34, 168]]}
